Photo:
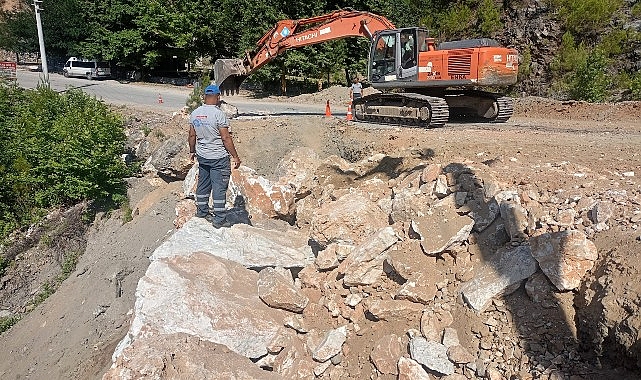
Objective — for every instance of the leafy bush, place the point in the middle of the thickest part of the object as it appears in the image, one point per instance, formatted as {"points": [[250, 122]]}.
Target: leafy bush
{"points": [[591, 80], [456, 21], [635, 86], [570, 55], [195, 99], [7, 322], [489, 18], [587, 16], [55, 150], [525, 67]]}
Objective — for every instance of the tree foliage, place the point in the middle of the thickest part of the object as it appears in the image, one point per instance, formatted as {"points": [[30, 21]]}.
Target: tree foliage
{"points": [[56, 149]]}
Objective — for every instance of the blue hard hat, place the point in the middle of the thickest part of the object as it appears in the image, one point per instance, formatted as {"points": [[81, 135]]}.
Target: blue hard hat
{"points": [[212, 89]]}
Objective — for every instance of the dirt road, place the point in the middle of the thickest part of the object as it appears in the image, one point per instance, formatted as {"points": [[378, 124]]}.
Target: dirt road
{"points": [[550, 145]]}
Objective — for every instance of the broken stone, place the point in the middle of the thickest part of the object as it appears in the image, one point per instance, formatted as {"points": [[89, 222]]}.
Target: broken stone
{"points": [[507, 267], [184, 356], [351, 219], [249, 246], [538, 287], [392, 309], [459, 355], [515, 218], [190, 182], [450, 337], [409, 262], [432, 355], [386, 353], [277, 292], [353, 299], [433, 322], [262, 197], [440, 187], [185, 210], [601, 212], [409, 369], [297, 323], [483, 213], [297, 169], [207, 297], [171, 159], [330, 345], [364, 266], [408, 204], [421, 292], [564, 257], [327, 258], [430, 173], [294, 362], [320, 369], [442, 227]]}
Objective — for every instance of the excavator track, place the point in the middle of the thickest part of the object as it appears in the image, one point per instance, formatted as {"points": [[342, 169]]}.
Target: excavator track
{"points": [[479, 106], [407, 109]]}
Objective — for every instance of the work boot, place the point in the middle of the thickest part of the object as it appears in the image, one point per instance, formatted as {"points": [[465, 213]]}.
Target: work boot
{"points": [[207, 217], [223, 224]]}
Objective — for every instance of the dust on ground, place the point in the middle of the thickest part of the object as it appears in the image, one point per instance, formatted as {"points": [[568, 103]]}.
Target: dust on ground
{"points": [[72, 334]]}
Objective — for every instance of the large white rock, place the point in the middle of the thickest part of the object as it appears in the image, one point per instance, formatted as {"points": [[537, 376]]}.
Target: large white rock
{"points": [[508, 267], [182, 356], [207, 297], [564, 257], [364, 265], [442, 227], [263, 197], [297, 170], [409, 369], [276, 291], [350, 219], [331, 344], [432, 355], [249, 246]]}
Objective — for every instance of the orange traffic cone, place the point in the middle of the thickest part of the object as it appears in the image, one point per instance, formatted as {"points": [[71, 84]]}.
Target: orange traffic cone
{"points": [[328, 111], [349, 111], [160, 99]]}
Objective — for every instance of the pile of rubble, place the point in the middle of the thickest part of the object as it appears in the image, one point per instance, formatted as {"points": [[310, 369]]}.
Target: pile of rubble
{"points": [[364, 270]]}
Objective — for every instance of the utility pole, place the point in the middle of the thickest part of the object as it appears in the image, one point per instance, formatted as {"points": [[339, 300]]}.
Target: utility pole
{"points": [[41, 40]]}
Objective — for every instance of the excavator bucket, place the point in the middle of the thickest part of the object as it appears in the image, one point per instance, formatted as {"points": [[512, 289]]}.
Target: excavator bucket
{"points": [[229, 74]]}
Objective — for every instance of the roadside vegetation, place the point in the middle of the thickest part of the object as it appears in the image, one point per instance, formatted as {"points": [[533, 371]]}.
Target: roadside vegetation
{"points": [[56, 150], [150, 36]]}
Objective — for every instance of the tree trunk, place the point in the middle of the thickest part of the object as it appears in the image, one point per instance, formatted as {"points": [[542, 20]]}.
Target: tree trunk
{"points": [[283, 83], [347, 77]]}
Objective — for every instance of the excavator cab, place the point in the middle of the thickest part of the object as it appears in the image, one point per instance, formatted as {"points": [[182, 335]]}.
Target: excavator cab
{"points": [[394, 54]]}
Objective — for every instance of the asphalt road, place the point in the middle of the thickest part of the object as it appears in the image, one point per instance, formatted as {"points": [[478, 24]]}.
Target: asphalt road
{"points": [[174, 97]]}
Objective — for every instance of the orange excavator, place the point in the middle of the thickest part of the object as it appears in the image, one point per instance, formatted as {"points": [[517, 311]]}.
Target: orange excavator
{"points": [[422, 83]]}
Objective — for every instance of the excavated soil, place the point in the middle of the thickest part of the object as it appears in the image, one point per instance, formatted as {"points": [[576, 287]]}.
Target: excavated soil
{"points": [[550, 146]]}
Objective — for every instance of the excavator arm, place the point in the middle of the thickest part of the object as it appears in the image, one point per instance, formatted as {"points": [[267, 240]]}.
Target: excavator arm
{"points": [[290, 34]]}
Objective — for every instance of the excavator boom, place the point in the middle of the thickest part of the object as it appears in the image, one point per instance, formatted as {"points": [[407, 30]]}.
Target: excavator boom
{"points": [[288, 34]]}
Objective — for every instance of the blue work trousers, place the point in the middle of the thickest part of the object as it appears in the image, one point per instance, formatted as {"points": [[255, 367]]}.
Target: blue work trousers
{"points": [[213, 179]]}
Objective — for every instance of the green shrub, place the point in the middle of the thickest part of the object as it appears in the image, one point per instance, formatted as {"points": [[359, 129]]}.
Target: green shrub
{"points": [[7, 322], [591, 80], [586, 16], [618, 41], [570, 55], [456, 21], [635, 86], [195, 99], [56, 150], [489, 18], [636, 9], [525, 67]]}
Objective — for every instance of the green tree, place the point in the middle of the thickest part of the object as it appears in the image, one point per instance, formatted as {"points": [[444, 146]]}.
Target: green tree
{"points": [[591, 80]]}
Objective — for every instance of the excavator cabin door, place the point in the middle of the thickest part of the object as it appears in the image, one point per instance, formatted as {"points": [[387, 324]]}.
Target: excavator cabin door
{"points": [[394, 56]]}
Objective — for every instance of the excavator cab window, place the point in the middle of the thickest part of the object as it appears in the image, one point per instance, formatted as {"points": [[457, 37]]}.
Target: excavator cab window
{"points": [[408, 48], [384, 57]]}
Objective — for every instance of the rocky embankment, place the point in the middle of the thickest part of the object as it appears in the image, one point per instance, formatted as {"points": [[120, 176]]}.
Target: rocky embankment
{"points": [[442, 271]]}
